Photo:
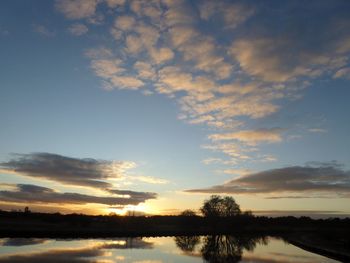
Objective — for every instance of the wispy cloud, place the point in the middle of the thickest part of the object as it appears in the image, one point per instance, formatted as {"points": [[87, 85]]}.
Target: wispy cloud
{"points": [[251, 137], [343, 73], [320, 181], [237, 171], [43, 30], [317, 130], [77, 9], [78, 29]]}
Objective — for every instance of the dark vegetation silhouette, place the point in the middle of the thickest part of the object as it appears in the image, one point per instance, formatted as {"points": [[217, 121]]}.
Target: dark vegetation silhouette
{"points": [[218, 206], [220, 216], [188, 212]]}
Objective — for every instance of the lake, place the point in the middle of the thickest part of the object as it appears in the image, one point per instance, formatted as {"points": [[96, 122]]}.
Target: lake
{"points": [[155, 250]]}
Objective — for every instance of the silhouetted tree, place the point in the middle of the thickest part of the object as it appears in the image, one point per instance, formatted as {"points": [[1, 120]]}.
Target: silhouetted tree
{"points": [[187, 243], [218, 206], [188, 212], [248, 213]]}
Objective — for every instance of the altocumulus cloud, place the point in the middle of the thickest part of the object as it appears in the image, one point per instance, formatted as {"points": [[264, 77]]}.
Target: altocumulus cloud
{"points": [[162, 48], [39, 194], [67, 170], [322, 180]]}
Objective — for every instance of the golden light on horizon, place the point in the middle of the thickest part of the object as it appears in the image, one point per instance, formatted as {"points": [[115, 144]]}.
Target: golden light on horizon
{"points": [[129, 210]]}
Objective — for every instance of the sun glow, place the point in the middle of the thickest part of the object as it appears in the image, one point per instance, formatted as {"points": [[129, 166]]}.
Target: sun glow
{"points": [[129, 210]]}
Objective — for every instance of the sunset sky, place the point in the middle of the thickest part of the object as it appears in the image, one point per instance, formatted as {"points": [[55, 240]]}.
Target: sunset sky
{"points": [[115, 105]]}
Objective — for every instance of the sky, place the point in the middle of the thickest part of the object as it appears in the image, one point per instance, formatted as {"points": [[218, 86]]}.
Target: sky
{"points": [[109, 106]]}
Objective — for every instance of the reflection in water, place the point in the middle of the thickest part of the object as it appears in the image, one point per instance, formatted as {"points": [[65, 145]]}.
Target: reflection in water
{"points": [[220, 248], [187, 243], [194, 249], [82, 255], [86, 254], [17, 242]]}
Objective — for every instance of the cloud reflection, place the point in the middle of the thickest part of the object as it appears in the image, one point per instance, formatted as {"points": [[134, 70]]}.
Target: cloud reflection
{"points": [[86, 254]]}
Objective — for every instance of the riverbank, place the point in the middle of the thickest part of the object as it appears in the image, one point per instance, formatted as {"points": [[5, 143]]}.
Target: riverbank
{"points": [[329, 237], [332, 244]]}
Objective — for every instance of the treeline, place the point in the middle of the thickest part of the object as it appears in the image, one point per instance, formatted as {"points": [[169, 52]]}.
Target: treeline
{"points": [[219, 215], [43, 223], [242, 219]]}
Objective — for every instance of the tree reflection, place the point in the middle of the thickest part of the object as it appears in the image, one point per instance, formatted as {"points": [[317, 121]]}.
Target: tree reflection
{"points": [[187, 243], [220, 248]]}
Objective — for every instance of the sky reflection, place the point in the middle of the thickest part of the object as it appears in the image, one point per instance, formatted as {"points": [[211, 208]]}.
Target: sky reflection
{"points": [[156, 250]]}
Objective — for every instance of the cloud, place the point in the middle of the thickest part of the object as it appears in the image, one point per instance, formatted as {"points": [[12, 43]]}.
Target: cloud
{"points": [[133, 194], [67, 170], [148, 34], [76, 9], [98, 53], [160, 55], [342, 73], [293, 53], [222, 63], [115, 3], [126, 82], [214, 160], [113, 71], [323, 180], [233, 14], [147, 9], [149, 179], [235, 151], [36, 195], [317, 130], [43, 30], [250, 137], [237, 171], [107, 68], [133, 44], [145, 70], [125, 22], [78, 29]]}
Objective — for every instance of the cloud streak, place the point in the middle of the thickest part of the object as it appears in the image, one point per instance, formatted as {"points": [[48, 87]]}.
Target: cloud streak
{"points": [[322, 180], [36, 194], [67, 170], [78, 29], [251, 137]]}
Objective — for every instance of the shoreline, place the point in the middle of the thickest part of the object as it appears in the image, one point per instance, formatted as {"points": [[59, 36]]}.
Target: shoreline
{"points": [[328, 237]]}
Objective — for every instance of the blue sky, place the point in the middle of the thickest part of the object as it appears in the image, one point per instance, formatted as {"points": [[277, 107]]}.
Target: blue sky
{"points": [[179, 98]]}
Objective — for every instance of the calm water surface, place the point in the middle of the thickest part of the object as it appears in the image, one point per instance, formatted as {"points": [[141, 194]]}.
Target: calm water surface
{"points": [[155, 250]]}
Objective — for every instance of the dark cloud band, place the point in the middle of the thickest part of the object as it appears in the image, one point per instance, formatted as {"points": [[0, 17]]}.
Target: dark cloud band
{"points": [[38, 194], [73, 171], [323, 180]]}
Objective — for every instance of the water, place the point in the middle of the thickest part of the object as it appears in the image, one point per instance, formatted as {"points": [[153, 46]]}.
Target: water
{"points": [[155, 250]]}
